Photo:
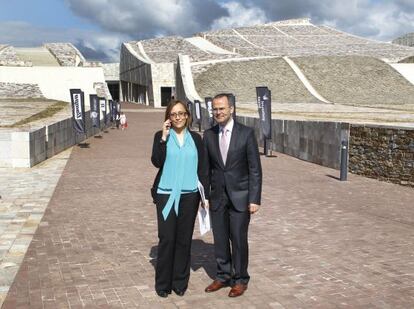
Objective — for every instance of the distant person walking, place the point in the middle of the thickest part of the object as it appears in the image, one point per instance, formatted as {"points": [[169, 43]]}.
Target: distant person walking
{"points": [[180, 156], [117, 119], [123, 120]]}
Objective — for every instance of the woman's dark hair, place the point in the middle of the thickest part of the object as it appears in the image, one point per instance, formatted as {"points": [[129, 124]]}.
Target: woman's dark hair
{"points": [[170, 107]]}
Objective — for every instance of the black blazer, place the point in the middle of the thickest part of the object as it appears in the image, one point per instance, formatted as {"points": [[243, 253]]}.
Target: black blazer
{"points": [[159, 153], [242, 174]]}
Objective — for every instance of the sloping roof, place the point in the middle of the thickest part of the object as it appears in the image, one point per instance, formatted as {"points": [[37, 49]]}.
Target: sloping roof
{"points": [[293, 38]]}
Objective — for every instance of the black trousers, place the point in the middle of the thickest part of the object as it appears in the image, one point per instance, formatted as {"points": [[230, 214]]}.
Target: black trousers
{"points": [[231, 248], [174, 247]]}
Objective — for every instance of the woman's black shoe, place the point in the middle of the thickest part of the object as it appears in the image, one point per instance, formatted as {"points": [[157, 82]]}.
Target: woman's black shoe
{"points": [[179, 292], [162, 293]]}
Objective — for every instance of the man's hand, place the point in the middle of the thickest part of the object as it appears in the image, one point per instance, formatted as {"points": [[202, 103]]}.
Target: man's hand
{"points": [[253, 208]]}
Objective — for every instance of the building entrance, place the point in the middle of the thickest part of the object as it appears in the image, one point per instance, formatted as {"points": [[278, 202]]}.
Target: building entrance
{"points": [[165, 95]]}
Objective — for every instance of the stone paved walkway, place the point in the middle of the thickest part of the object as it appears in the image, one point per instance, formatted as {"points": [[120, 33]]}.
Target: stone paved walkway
{"points": [[25, 194], [316, 242]]}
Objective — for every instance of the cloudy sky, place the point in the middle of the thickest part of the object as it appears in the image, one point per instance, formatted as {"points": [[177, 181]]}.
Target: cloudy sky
{"points": [[98, 27]]}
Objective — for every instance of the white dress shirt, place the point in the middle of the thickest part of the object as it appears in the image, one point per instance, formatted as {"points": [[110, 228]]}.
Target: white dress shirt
{"points": [[228, 128]]}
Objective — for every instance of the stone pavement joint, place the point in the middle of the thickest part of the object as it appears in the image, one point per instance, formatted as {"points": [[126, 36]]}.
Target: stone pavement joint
{"points": [[315, 243]]}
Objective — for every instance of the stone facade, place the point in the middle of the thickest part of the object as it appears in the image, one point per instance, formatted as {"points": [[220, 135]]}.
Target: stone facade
{"points": [[66, 54], [241, 78], [111, 71], [163, 75], [13, 90], [356, 80], [8, 56], [382, 153], [301, 38]]}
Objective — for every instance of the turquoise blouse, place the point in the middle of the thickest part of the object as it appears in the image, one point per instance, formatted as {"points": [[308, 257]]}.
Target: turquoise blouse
{"points": [[179, 173]]}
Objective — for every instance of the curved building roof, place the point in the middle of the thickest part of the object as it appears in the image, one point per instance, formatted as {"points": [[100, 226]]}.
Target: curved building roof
{"points": [[292, 38], [50, 54]]}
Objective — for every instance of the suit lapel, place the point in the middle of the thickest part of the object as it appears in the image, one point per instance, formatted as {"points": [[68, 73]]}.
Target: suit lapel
{"points": [[233, 141], [217, 146]]}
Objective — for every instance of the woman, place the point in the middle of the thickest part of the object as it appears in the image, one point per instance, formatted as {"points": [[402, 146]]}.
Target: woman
{"points": [[179, 155], [123, 120]]}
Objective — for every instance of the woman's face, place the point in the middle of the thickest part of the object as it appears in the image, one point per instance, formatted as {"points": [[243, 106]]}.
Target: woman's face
{"points": [[178, 116]]}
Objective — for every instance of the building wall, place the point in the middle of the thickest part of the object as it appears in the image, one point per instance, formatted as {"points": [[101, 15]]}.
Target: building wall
{"points": [[383, 153], [28, 148], [163, 75], [55, 82], [134, 72]]}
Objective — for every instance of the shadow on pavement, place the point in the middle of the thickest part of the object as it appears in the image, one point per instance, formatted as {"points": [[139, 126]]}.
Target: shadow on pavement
{"points": [[202, 256]]}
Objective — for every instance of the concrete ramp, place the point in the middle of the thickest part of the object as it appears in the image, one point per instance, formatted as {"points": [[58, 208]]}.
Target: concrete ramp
{"points": [[39, 56]]}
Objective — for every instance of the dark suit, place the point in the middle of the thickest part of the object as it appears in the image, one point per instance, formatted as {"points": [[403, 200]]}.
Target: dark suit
{"points": [[233, 186]]}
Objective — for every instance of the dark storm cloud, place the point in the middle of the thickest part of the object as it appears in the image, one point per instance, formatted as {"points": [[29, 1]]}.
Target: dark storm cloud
{"points": [[148, 18]]}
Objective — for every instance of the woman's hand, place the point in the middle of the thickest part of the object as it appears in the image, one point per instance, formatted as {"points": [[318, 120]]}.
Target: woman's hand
{"points": [[166, 129], [205, 205]]}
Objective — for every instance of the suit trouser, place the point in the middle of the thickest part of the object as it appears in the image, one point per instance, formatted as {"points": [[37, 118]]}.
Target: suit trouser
{"points": [[231, 248], [174, 246]]}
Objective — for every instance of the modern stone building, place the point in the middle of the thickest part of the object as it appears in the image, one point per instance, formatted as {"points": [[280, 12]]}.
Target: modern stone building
{"points": [[147, 68], [300, 62], [48, 71], [111, 72], [36, 120]]}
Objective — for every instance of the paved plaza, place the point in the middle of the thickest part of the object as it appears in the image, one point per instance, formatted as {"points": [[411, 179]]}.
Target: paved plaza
{"points": [[315, 243]]}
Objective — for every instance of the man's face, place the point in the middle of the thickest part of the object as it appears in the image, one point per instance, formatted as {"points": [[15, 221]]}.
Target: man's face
{"points": [[222, 110]]}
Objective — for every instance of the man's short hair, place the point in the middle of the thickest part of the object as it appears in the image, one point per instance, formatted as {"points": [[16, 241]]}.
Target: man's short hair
{"points": [[223, 95]]}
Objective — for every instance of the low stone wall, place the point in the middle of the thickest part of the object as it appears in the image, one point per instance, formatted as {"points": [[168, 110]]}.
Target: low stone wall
{"points": [[383, 153], [314, 141], [28, 148]]}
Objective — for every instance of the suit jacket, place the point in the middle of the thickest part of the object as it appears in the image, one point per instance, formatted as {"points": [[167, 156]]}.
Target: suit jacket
{"points": [[159, 153], [241, 176]]}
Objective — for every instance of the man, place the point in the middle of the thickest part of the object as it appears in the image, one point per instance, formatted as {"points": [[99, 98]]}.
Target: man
{"points": [[236, 184]]}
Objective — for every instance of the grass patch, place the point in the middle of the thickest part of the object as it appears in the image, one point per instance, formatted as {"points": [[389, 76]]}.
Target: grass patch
{"points": [[46, 113]]}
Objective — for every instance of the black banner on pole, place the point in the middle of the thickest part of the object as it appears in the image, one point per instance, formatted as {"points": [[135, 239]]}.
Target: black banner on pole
{"points": [[78, 110], [232, 101], [102, 104], [197, 111], [264, 105], [94, 103], [209, 108], [190, 108]]}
